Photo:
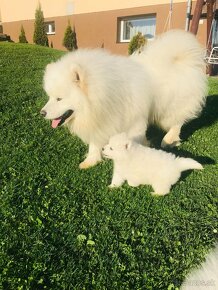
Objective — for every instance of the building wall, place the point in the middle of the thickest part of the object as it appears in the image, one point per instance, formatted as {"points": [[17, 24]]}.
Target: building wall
{"points": [[97, 28], [14, 10]]}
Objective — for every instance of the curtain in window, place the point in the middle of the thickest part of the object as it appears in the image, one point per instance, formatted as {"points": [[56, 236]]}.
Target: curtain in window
{"points": [[215, 33], [146, 26]]}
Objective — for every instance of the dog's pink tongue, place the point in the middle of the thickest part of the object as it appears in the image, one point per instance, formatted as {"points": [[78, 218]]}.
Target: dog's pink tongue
{"points": [[55, 123]]}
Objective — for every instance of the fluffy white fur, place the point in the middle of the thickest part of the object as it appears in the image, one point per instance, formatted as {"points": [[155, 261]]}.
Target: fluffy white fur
{"points": [[138, 164], [175, 62], [112, 94], [204, 277]]}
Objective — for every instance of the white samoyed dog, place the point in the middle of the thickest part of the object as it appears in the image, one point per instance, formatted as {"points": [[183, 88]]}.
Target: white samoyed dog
{"points": [[206, 276], [98, 95], [138, 164]]}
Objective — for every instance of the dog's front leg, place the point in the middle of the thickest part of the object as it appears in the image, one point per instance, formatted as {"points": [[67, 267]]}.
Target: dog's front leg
{"points": [[93, 157], [117, 179], [171, 139], [137, 133]]}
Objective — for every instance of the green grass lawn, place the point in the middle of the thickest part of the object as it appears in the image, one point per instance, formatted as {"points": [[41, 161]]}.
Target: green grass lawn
{"points": [[62, 228]]}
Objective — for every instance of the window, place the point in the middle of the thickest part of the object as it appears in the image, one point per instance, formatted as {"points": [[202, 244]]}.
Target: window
{"points": [[130, 26], [50, 27], [215, 32]]}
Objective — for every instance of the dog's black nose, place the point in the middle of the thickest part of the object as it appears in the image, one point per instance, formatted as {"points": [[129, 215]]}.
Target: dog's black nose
{"points": [[43, 113]]}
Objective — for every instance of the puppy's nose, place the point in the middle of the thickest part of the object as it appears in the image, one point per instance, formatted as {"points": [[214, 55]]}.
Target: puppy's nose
{"points": [[43, 113]]}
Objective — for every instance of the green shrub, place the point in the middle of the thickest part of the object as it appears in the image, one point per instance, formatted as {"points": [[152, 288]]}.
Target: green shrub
{"points": [[40, 36], [137, 43], [70, 41], [22, 36]]}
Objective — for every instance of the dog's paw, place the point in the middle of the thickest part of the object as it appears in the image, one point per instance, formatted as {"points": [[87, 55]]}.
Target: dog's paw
{"points": [[146, 142], [170, 143], [87, 164]]}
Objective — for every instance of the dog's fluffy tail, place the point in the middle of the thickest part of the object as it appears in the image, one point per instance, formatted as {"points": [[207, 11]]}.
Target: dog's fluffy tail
{"points": [[175, 47], [188, 163], [175, 60]]}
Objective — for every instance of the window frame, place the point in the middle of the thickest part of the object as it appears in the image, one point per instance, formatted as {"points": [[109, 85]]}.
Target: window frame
{"points": [[121, 23], [50, 24]]}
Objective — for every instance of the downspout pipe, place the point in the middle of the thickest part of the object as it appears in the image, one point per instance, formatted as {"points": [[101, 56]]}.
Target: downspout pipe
{"points": [[188, 14]]}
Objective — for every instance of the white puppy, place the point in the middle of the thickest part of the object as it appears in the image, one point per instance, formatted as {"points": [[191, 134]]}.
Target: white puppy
{"points": [[142, 165]]}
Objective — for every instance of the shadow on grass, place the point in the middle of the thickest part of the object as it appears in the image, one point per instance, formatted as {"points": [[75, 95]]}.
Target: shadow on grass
{"points": [[208, 116]]}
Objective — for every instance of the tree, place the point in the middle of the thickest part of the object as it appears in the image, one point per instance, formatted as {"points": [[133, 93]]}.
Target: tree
{"points": [[70, 41], [22, 36], [137, 43], [40, 36]]}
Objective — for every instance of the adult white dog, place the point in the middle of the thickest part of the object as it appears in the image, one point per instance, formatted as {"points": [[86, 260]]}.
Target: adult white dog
{"points": [[98, 95]]}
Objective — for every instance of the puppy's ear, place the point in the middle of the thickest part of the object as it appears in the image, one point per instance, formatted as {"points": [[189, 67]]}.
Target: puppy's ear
{"points": [[128, 145], [76, 77], [79, 77]]}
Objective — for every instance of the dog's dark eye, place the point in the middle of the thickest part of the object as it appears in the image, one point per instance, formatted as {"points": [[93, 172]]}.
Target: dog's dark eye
{"points": [[59, 99], [111, 148]]}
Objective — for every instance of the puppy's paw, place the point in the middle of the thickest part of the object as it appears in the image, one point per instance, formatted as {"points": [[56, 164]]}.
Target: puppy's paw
{"points": [[112, 185], [132, 183], [158, 194]]}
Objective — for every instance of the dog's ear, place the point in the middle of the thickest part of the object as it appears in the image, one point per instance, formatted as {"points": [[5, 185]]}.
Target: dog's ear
{"points": [[77, 74], [78, 77]]}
